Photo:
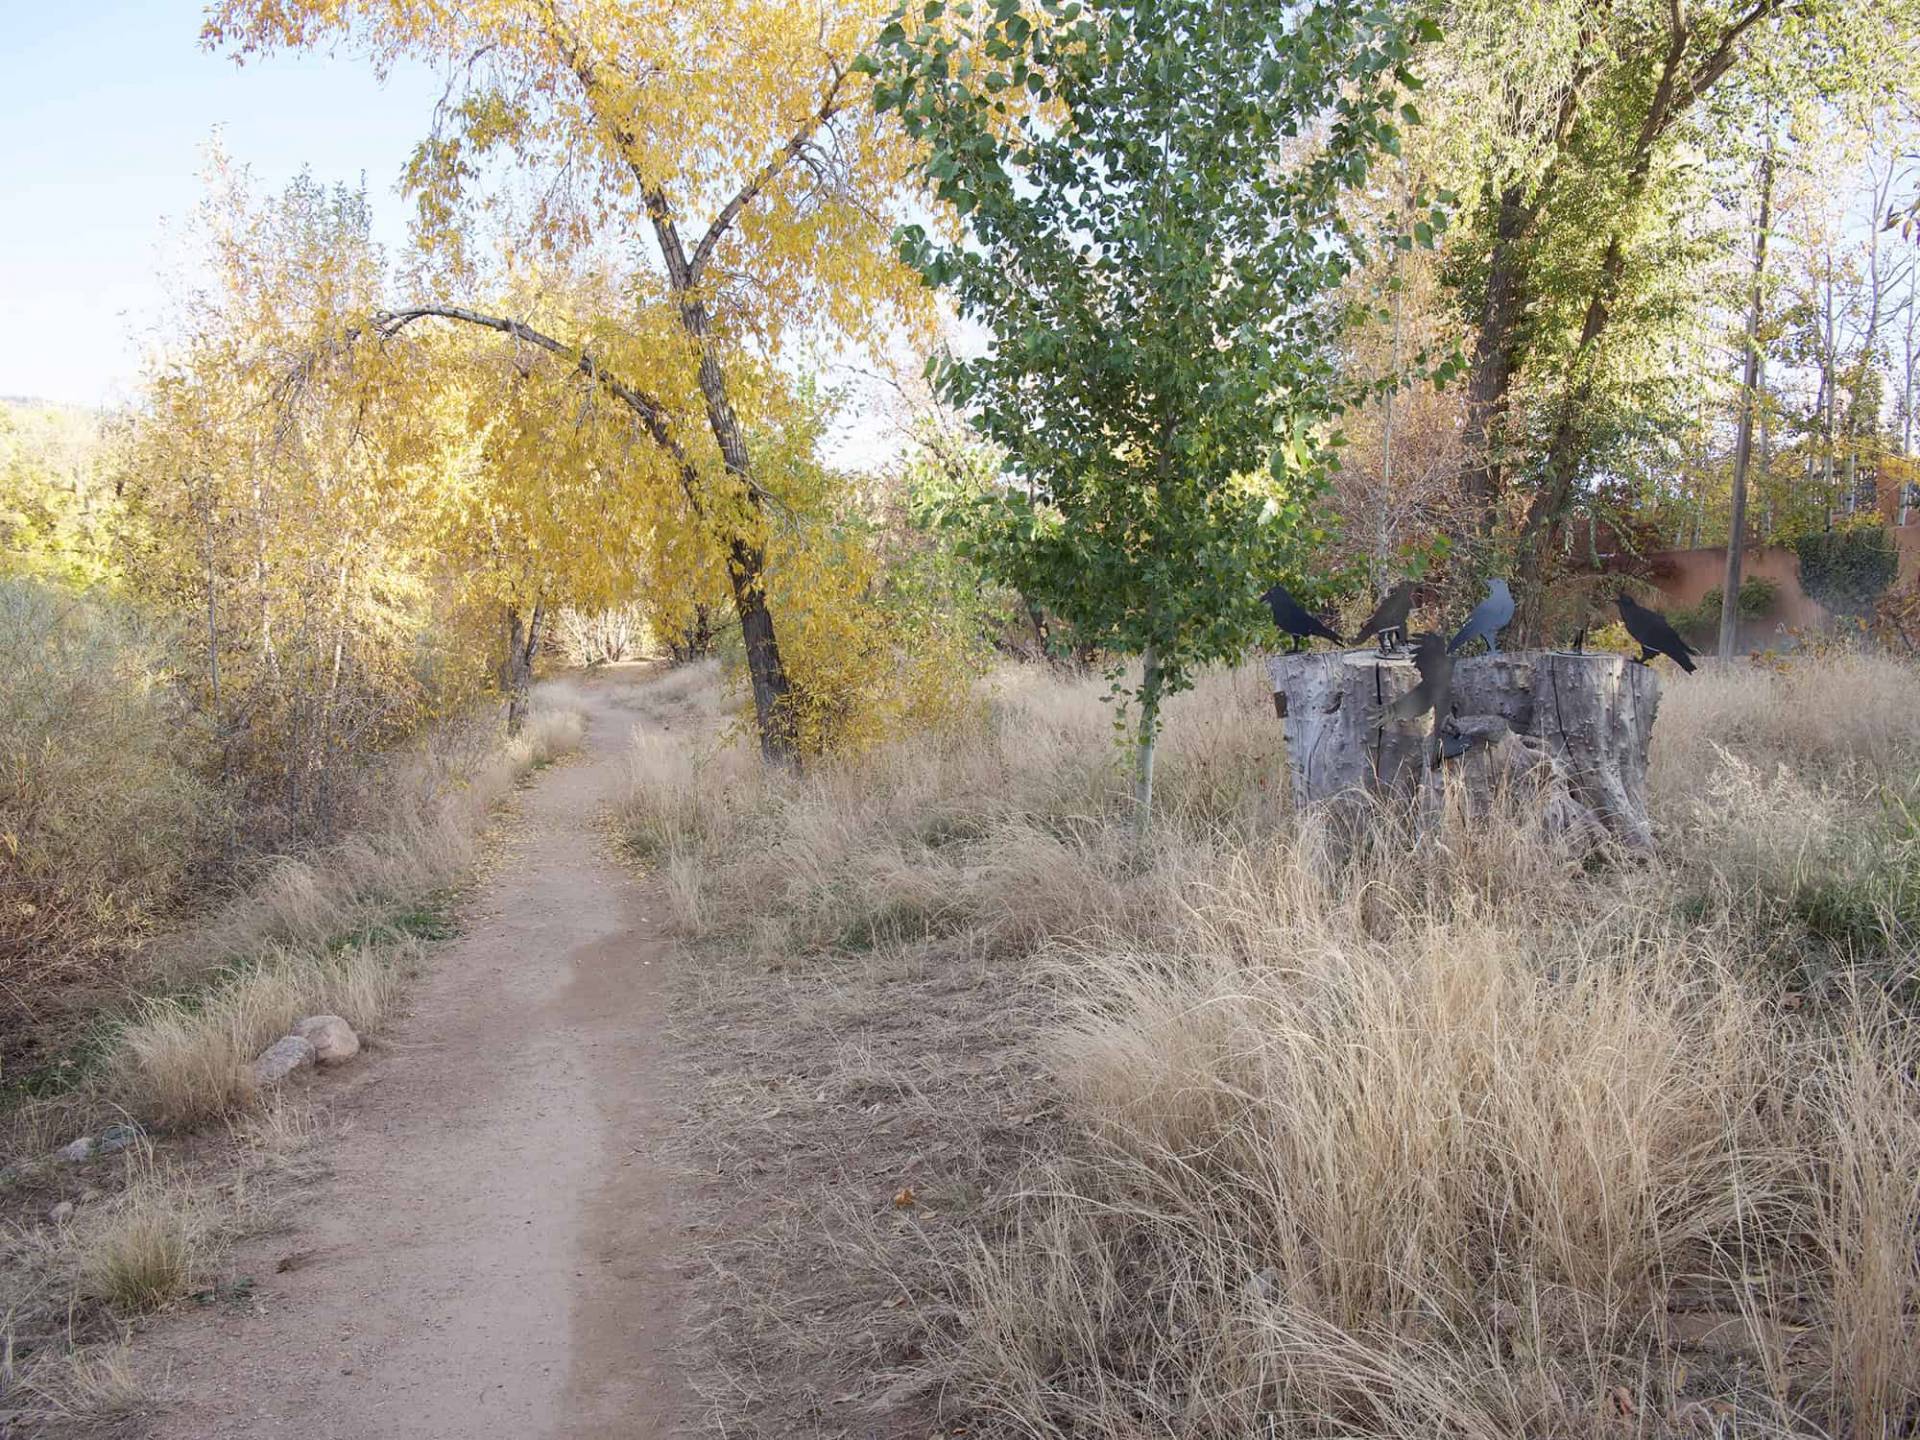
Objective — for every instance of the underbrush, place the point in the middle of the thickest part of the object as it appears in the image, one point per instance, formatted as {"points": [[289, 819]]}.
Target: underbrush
{"points": [[106, 813], [1446, 1131]]}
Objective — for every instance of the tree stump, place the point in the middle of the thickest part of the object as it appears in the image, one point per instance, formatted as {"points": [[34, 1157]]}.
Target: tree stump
{"points": [[1568, 732], [1327, 701]]}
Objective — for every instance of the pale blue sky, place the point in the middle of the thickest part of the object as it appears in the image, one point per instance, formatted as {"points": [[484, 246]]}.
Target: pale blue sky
{"points": [[106, 108]]}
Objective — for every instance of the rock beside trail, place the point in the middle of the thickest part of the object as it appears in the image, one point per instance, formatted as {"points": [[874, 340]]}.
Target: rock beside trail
{"points": [[113, 1138], [280, 1059], [332, 1038], [116, 1137]]}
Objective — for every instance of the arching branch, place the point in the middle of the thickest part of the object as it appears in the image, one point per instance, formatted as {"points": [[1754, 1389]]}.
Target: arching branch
{"points": [[651, 413]]}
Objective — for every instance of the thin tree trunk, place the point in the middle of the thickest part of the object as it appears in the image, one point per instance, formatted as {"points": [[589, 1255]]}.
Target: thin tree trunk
{"points": [[1144, 743], [213, 623], [1495, 353], [1743, 443], [516, 675]]}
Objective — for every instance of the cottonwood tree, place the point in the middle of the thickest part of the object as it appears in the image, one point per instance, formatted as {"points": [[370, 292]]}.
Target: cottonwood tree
{"points": [[1145, 215], [734, 141], [287, 548], [1578, 131]]}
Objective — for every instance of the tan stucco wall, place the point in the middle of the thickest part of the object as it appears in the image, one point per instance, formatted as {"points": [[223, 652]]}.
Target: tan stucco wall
{"points": [[1684, 576]]}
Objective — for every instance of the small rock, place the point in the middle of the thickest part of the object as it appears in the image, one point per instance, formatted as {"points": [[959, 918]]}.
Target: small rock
{"points": [[61, 1213], [280, 1059], [75, 1151], [332, 1038], [116, 1137]]}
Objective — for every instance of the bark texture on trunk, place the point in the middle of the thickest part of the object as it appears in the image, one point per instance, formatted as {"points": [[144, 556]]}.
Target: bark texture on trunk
{"points": [[1565, 735], [1337, 755], [516, 671]]}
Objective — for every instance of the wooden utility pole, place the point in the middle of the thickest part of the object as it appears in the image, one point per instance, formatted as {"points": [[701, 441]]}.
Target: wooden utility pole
{"points": [[1743, 444]]}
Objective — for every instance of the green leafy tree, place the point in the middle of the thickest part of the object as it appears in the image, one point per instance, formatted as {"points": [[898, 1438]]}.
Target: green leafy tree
{"points": [[1590, 139], [1144, 207]]}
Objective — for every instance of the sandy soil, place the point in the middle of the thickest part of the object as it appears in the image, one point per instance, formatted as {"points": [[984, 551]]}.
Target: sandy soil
{"points": [[496, 1249]]}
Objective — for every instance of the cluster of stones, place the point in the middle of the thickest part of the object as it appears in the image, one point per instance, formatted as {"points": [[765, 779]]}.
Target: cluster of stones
{"points": [[316, 1040]]}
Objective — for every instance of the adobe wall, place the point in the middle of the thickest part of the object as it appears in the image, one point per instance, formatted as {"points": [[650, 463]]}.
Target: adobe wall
{"points": [[1685, 576]]}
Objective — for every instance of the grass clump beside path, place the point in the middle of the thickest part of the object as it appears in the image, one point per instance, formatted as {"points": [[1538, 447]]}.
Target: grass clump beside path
{"points": [[338, 930], [1259, 1134]]}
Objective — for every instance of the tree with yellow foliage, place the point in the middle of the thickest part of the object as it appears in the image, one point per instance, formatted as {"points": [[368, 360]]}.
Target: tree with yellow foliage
{"points": [[735, 138], [266, 521]]}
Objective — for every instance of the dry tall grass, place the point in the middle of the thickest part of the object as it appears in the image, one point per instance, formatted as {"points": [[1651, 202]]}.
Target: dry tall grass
{"points": [[1437, 1134], [333, 932], [336, 930]]}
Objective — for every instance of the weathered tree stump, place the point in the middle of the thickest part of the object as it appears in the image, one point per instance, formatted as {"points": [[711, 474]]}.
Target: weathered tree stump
{"points": [[1328, 701], [1565, 733]]}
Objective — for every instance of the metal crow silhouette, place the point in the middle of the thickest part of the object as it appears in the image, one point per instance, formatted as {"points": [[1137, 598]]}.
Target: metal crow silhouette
{"points": [[1295, 619], [1433, 692], [1652, 632], [1488, 619], [1390, 613]]}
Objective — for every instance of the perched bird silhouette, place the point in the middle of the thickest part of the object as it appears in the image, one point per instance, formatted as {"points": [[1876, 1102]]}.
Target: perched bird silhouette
{"points": [[1488, 619], [1390, 613], [1435, 689], [1654, 635], [1295, 619]]}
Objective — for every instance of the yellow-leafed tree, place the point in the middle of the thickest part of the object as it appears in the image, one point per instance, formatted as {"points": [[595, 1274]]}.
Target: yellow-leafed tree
{"points": [[733, 139]]}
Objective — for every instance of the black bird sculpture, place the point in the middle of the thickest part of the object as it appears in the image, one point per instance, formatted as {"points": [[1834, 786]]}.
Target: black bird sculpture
{"points": [[1295, 619], [1652, 633], [1489, 618], [1435, 689], [1390, 613]]}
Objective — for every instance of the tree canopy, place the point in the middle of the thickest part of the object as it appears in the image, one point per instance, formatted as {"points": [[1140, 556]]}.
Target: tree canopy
{"points": [[1150, 229]]}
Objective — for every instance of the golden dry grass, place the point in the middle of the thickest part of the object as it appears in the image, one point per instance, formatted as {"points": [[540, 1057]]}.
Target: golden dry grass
{"points": [[1438, 1134], [326, 934]]}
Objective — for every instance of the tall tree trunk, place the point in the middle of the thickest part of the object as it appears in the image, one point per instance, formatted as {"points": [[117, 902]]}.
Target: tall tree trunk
{"points": [[1743, 443], [772, 693], [1496, 347]]}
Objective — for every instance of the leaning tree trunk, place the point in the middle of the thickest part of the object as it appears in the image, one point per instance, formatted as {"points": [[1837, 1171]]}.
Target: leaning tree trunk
{"points": [[1566, 734]]}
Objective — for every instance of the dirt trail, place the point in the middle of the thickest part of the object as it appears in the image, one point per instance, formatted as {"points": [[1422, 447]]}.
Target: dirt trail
{"points": [[495, 1251]]}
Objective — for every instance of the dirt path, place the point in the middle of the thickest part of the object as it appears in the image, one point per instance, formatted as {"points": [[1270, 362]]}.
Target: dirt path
{"points": [[495, 1251]]}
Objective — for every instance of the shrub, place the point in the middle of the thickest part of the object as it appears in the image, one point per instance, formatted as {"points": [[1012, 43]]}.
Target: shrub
{"points": [[105, 817], [1758, 597], [1846, 571]]}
